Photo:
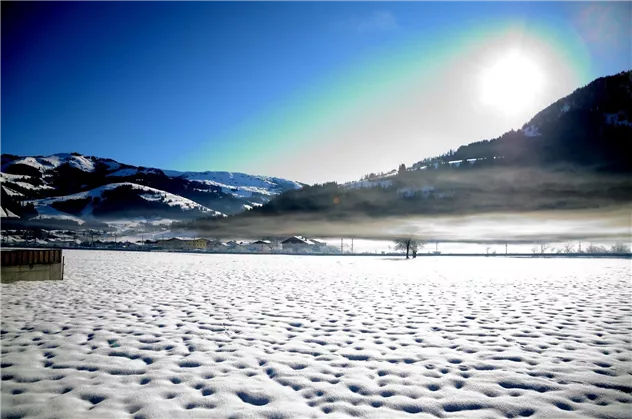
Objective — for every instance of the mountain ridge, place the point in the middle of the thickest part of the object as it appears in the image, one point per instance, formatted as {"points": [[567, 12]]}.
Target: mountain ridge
{"points": [[568, 131], [59, 186]]}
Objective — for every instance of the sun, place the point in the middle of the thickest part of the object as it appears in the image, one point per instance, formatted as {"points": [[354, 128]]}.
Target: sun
{"points": [[511, 84]]}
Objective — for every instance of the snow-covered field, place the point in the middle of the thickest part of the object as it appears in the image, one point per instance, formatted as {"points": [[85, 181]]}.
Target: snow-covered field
{"points": [[250, 336]]}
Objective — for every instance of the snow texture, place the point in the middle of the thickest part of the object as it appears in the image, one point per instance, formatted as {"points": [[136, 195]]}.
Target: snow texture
{"points": [[53, 161], [48, 212], [532, 131], [130, 171], [11, 192], [8, 178], [158, 335], [5, 213], [617, 119], [11, 177], [379, 183], [409, 192], [110, 164], [151, 194], [240, 185]]}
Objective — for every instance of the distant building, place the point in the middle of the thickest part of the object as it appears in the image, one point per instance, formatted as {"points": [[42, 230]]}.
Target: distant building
{"points": [[197, 244], [298, 243], [175, 243], [237, 246], [216, 245], [260, 246], [63, 242]]}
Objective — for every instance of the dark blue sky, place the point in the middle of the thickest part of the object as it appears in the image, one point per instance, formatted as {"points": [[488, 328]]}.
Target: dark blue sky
{"points": [[165, 83]]}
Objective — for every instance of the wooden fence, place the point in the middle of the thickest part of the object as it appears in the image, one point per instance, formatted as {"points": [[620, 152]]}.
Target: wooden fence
{"points": [[30, 257]]}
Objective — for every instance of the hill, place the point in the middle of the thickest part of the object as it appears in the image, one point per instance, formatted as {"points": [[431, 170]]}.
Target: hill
{"points": [[590, 128], [78, 188], [574, 154]]}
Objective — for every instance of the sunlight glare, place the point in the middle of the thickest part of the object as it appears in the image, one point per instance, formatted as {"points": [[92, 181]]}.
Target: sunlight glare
{"points": [[512, 84]]}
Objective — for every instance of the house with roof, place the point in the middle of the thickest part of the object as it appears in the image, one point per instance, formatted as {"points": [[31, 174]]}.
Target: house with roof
{"points": [[175, 243], [236, 246], [301, 244], [260, 246]]}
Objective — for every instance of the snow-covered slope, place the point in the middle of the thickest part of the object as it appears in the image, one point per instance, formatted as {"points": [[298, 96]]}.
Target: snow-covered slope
{"points": [[17, 182], [374, 183], [42, 164], [48, 180], [132, 171], [98, 196], [6, 213], [239, 184]]}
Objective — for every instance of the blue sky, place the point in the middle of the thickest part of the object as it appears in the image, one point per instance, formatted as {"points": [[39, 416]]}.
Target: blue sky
{"points": [[308, 91]]}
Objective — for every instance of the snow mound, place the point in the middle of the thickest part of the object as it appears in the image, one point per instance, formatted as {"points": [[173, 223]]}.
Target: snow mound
{"points": [[172, 335]]}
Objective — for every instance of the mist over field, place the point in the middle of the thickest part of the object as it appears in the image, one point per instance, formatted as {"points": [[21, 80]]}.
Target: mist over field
{"points": [[605, 224], [491, 205]]}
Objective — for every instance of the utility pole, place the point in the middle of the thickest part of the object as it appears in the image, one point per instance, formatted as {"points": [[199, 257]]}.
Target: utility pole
{"points": [[341, 251], [352, 245]]}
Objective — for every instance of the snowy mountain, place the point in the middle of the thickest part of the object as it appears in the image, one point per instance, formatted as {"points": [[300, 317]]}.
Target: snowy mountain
{"points": [[140, 201], [258, 189], [74, 187]]}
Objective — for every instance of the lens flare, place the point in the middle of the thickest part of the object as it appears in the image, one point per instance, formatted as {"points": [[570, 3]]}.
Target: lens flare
{"points": [[512, 83]]}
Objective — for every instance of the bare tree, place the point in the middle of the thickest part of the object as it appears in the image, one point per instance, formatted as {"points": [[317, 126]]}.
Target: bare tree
{"points": [[544, 247], [568, 248], [410, 243], [593, 248], [620, 248]]}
